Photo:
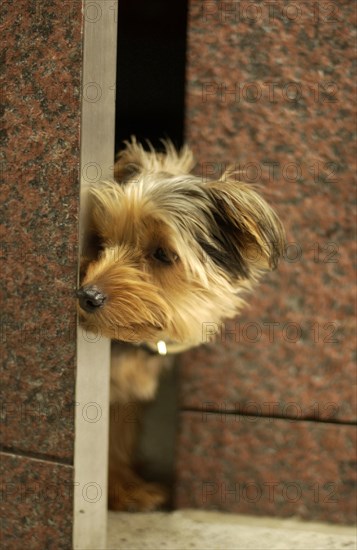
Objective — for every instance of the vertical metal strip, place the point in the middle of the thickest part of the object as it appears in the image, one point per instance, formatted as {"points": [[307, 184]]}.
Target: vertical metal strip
{"points": [[93, 351]]}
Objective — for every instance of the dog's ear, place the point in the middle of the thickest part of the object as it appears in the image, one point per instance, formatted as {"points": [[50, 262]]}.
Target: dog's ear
{"points": [[247, 236]]}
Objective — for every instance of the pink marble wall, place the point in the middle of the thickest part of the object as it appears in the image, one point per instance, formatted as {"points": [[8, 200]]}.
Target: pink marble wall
{"points": [[267, 466], [40, 196], [271, 91]]}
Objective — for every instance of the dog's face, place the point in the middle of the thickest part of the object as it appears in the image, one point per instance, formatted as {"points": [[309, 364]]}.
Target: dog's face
{"points": [[167, 253]]}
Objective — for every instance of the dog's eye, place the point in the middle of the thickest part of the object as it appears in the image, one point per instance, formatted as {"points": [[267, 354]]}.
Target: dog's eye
{"points": [[164, 256]]}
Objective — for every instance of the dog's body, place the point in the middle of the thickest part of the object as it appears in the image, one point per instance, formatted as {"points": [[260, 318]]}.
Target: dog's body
{"points": [[165, 253]]}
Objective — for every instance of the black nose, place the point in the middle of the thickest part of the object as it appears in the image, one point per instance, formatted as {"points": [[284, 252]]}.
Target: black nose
{"points": [[90, 298]]}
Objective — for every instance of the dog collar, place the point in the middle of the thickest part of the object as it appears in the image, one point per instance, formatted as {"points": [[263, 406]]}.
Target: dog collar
{"points": [[164, 348]]}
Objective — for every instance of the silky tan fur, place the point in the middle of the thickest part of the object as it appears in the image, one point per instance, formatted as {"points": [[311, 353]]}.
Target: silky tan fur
{"points": [[169, 252]]}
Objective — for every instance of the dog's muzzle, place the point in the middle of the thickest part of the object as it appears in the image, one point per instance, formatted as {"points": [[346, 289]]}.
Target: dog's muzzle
{"points": [[91, 298]]}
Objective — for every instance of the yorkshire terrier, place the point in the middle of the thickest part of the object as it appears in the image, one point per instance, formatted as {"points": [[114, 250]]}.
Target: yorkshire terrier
{"points": [[165, 252]]}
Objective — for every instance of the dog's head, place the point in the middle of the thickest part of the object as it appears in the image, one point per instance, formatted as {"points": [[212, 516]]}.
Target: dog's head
{"points": [[167, 252]]}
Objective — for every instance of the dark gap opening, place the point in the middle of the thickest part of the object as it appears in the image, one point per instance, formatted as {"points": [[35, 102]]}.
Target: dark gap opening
{"points": [[150, 102], [151, 56]]}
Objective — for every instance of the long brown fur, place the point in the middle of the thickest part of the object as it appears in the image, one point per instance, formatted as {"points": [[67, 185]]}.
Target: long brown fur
{"points": [[165, 253]]}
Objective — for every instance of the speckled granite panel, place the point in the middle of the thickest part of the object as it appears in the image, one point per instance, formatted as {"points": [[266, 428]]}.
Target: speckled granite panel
{"points": [[271, 91], [265, 466], [40, 196], [36, 504]]}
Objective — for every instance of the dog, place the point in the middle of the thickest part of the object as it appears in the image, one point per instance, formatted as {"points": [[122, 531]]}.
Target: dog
{"points": [[164, 252]]}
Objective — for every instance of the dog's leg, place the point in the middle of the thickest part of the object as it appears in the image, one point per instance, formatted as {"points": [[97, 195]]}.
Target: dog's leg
{"points": [[134, 378], [126, 490]]}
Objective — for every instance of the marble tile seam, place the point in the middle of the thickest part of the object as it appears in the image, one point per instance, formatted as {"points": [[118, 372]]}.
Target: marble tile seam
{"points": [[267, 417], [41, 457]]}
